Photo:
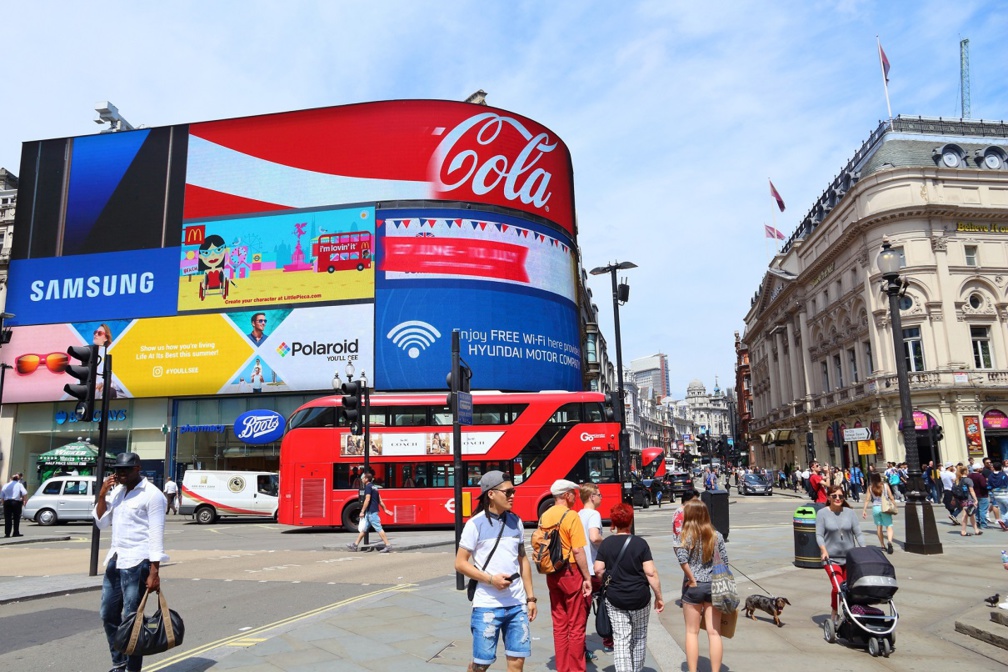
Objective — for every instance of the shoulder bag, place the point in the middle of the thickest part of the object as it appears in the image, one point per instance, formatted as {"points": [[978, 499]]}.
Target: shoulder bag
{"points": [[888, 505], [724, 593], [471, 586], [603, 625], [140, 635]]}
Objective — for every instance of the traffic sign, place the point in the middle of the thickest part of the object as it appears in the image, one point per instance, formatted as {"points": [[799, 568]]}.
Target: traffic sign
{"points": [[464, 400], [856, 434]]}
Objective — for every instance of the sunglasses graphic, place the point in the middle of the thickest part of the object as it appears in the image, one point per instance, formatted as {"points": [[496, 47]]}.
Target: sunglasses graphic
{"points": [[55, 361]]}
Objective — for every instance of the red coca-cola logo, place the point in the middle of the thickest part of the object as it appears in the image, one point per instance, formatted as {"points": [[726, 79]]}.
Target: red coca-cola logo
{"points": [[489, 153]]}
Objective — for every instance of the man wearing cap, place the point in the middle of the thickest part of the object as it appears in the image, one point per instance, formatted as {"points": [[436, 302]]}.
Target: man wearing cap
{"points": [[492, 552], [135, 510], [570, 587]]}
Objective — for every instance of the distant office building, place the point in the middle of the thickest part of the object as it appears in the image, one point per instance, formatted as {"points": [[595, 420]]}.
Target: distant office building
{"points": [[651, 375]]}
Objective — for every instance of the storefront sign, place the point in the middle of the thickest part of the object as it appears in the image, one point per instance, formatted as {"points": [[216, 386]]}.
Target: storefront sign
{"points": [[866, 448], [259, 426], [995, 419], [974, 444], [114, 415], [970, 227], [922, 421], [823, 274], [200, 429]]}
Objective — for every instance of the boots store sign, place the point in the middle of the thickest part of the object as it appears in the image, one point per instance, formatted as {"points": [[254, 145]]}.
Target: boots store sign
{"points": [[257, 427]]}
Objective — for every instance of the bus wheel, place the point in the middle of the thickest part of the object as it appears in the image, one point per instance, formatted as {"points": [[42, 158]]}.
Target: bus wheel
{"points": [[360, 267], [331, 270], [351, 516], [543, 506]]}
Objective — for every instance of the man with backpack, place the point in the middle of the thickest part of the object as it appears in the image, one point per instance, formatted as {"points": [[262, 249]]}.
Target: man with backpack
{"points": [[558, 547], [492, 554]]}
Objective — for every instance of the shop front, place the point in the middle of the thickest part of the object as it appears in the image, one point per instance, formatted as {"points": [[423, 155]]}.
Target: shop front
{"points": [[995, 429], [204, 437]]}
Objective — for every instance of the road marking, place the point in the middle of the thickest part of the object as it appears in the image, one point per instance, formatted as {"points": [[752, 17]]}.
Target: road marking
{"points": [[247, 641], [249, 635]]}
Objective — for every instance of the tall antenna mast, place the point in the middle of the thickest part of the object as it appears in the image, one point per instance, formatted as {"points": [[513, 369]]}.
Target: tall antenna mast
{"points": [[964, 76]]}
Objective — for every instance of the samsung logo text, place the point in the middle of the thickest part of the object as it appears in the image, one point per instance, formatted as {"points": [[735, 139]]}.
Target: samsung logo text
{"points": [[92, 286]]}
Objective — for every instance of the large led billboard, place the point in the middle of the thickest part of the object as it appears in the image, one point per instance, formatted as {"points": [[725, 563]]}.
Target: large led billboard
{"points": [[261, 254]]}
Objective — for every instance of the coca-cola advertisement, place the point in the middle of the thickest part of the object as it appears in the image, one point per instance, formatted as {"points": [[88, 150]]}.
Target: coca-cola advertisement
{"points": [[395, 150]]}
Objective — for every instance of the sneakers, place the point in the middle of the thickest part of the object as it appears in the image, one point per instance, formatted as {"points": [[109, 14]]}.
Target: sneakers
{"points": [[386, 549], [889, 548], [1003, 525], [351, 547], [955, 521], [607, 649], [589, 656]]}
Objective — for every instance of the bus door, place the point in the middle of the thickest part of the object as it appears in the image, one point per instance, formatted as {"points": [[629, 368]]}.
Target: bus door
{"points": [[314, 491]]}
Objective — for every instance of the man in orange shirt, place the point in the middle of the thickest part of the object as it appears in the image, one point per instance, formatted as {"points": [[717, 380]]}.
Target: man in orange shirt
{"points": [[569, 587]]}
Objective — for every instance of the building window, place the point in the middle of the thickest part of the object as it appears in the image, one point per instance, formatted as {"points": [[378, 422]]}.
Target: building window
{"points": [[591, 355], [975, 301], [839, 371], [868, 358], [902, 256], [905, 302], [825, 377], [971, 255], [981, 347], [852, 359], [853, 278], [839, 289], [913, 349]]}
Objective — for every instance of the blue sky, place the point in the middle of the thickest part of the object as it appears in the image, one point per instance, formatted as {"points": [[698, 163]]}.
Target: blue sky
{"points": [[676, 113]]}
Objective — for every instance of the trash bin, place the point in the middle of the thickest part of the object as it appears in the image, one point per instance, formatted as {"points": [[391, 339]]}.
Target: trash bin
{"points": [[806, 550], [717, 504]]}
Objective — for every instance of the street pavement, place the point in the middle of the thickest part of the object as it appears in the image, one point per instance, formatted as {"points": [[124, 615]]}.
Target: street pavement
{"points": [[424, 625]]}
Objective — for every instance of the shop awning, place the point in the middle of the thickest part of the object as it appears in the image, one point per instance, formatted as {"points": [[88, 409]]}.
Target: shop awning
{"points": [[76, 454], [784, 436]]}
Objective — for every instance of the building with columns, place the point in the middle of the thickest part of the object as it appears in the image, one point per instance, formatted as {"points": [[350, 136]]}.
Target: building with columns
{"points": [[818, 332]]}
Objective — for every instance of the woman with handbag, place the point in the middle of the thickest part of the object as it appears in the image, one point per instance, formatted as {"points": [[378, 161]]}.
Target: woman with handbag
{"points": [[883, 505], [966, 495], [837, 531], [702, 547], [629, 576]]}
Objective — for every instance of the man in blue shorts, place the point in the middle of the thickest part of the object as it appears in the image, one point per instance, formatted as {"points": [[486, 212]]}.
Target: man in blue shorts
{"points": [[369, 511], [492, 553]]}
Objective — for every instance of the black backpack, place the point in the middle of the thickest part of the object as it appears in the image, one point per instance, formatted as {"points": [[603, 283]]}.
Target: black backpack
{"points": [[961, 489]]}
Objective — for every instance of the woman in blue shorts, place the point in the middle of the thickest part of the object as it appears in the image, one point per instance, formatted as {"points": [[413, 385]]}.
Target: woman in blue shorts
{"points": [[879, 491]]}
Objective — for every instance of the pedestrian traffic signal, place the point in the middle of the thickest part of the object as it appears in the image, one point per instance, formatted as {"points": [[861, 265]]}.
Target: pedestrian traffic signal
{"points": [[350, 411], [810, 446], [938, 433], [87, 373]]}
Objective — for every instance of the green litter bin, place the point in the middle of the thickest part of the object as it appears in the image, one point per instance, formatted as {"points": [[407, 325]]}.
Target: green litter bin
{"points": [[806, 550]]}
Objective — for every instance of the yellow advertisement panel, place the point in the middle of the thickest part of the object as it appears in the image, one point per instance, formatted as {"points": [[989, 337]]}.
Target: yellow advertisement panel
{"points": [[866, 447]]}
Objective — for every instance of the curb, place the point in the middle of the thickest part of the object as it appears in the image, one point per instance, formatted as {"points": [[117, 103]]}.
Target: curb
{"points": [[26, 597], [395, 547], [32, 540]]}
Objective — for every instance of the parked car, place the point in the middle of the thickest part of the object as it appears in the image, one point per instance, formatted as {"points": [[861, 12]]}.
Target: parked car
{"points": [[208, 495], [677, 482], [61, 499], [754, 484]]}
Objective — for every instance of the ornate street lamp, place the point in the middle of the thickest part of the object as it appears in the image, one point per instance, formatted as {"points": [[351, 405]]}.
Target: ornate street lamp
{"points": [[921, 530], [620, 294]]}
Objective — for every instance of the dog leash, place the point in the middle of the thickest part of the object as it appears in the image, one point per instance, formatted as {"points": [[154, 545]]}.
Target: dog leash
{"points": [[751, 580]]}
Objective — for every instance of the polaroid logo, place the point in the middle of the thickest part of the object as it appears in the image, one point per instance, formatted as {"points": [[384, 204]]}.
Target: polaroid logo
{"points": [[283, 349], [315, 348], [92, 286]]}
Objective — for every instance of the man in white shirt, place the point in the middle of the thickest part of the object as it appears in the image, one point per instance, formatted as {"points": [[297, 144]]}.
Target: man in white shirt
{"points": [[591, 520], [14, 498], [948, 479], [171, 494], [135, 510], [492, 553]]}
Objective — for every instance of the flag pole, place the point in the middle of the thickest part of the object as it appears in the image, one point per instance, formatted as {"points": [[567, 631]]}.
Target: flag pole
{"points": [[885, 81], [766, 250]]}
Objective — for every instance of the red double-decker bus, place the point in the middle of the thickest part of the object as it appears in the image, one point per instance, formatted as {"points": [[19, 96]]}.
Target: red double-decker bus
{"points": [[535, 438], [342, 251]]}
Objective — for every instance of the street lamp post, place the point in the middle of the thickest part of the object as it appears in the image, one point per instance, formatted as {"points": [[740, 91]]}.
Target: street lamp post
{"points": [[921, 530], [620, 292]]}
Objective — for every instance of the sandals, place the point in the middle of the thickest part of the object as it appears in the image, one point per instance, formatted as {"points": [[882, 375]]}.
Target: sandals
{"points": [[965, 534]]}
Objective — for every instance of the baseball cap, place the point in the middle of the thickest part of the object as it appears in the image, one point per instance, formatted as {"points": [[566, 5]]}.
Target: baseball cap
{"points": [[126, 460], [562, 486], [491, 480], [949, 465]]}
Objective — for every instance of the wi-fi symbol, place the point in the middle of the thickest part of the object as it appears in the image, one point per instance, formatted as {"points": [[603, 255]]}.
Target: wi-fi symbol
{"points": [[413, 336]]}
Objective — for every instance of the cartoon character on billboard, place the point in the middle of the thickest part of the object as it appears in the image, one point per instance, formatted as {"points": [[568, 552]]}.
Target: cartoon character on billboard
{"points": [[239, 266], [213, 254]]}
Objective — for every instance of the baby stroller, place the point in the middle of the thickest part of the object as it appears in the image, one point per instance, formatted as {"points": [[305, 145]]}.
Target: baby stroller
{"points": [[871, 580]]}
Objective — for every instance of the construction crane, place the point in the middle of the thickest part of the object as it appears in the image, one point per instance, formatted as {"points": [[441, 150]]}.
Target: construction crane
{"points": [[964, 77]]}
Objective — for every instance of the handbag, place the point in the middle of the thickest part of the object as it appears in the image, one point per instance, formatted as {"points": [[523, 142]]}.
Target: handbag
{"points": [[140, 635], [724, 593], [603, 625], [889, 506], [471, 586], [729, 619]]}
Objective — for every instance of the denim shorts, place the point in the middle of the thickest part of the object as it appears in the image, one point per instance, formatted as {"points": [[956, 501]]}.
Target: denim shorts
{"points": [[487, 624], [699, 594], [374, 521]]}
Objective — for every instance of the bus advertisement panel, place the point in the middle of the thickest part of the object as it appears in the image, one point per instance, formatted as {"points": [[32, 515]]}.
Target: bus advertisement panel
{"points": [[533, 438]]}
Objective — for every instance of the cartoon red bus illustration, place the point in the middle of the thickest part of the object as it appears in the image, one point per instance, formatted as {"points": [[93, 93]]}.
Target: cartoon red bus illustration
{"points": [[342, 251]]}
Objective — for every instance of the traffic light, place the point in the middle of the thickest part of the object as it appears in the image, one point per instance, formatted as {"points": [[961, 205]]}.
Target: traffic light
{"points": [[464, 382], [352, 407], [87, 373], [938, 433], [810, 446]]}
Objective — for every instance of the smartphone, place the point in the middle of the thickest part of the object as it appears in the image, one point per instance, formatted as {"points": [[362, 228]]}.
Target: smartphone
{"points": [[514, 576]]}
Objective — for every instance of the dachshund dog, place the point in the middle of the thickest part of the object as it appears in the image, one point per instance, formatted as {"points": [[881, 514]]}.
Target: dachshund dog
{"points": [[771, 605]]}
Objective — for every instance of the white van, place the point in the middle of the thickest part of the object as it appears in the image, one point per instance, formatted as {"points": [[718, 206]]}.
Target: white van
{"points": [[208, 495]]}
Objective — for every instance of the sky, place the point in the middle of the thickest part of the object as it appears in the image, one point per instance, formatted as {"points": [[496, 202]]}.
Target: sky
{"points": [[676, 113]]}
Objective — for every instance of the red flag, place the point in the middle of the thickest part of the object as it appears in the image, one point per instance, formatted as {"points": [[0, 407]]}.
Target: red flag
{"points": [[771, 232], [776, 197], [885, 63]]}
